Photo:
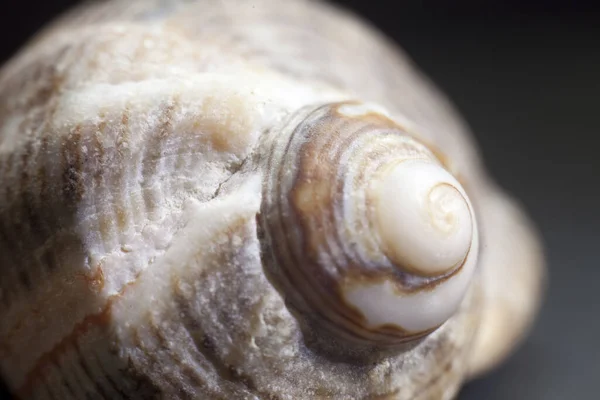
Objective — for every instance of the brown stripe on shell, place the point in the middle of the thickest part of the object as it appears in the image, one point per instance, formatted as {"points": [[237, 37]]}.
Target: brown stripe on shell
{"points": [[56, 252], [37, 373], [124, 202], [103, 375], [154, 146], [233, 380], [124, 379], [111, 213], [150, 356], [100, 319], [38, 83], [73, 187], [203, 344], [10, 288], [37, 90], [27, 222], [339, 313], [99, 151], [174, 351], [379, 119], [317, 158], [339, 317], [196, 334], [50, 388], [62, 375], [23, 225], [44, 187], [92, 140], [75, 372], [8, 170], [107, 164], [27, 185], [331, 220]]}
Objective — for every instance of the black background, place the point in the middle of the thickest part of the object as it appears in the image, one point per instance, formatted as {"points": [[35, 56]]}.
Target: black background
{"points": [[526, 75]]}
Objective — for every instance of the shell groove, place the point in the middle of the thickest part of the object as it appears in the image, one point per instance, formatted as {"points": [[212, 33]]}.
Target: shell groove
{"points": [[319, 225], [140, 149]]}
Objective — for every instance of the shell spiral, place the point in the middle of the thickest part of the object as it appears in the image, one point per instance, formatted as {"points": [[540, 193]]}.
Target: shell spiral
{"points": [[245, 200], [372, 239]]}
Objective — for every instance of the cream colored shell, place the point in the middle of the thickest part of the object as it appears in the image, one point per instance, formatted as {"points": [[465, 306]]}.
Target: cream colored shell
{"points": [[368, 237], [137, 255]]}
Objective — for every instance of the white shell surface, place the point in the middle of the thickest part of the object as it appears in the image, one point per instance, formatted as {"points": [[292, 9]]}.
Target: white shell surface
{"points": [[125, 131], [423, 217], [382, 303], [426, 222]]}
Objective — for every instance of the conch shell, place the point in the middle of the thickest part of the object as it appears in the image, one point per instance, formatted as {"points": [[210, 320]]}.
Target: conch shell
{"points": [[245, 200]]}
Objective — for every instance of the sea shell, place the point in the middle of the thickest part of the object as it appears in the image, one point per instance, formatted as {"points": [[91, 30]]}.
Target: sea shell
{"points": [[246, 200]]}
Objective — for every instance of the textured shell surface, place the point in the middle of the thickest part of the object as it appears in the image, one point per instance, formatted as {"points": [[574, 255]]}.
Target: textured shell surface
{"points": [[246, 200]]}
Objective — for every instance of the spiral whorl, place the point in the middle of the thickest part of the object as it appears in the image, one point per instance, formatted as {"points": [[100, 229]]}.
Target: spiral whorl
{"points": [[367, 235], [422, 217]]}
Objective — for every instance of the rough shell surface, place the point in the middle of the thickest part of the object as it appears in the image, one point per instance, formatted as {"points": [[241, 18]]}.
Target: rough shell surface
{"points": [[131, 186]]}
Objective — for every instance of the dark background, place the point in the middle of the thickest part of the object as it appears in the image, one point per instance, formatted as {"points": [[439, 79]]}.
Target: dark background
{"points": [[526, 75]]}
